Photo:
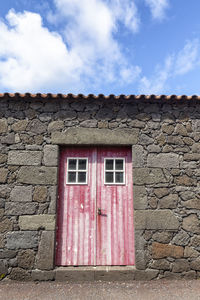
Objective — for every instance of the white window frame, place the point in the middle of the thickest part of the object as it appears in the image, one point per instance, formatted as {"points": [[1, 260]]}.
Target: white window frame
{"points": [[77, 171], [115, 171]]}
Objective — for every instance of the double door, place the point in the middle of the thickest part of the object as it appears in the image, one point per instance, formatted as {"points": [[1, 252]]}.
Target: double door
{"points": [[95, 207]]}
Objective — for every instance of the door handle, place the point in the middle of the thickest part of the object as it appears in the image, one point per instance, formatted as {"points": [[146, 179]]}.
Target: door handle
{"points": [[99, 211]]}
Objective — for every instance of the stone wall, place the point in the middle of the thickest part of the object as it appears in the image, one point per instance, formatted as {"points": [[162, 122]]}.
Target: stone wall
{"points": [[165, 139]]}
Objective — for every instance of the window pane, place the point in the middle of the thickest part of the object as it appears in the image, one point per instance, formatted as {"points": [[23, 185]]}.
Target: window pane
{"points": [[82, 177], [71, 177], [82, 164], [119, 176], [119, 164], [109, 177], [109, 164], [72, 164]]}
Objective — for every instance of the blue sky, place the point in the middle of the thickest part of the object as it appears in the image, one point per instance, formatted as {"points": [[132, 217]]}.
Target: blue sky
{"points": [[100, 46]]}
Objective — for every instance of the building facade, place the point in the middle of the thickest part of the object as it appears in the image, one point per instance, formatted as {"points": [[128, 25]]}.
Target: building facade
{"points": [[95, 187]]}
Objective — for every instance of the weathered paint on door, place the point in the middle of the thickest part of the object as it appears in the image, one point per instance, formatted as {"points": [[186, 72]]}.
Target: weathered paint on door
{"points": [[95, 216]]}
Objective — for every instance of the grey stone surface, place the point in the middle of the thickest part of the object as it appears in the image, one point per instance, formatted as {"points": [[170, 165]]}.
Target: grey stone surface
{"points": [[161, 264], [181, 238], [20, 208], [52, 198], [22, 240], [191, 223], [3, 268], [36, 222], [162, 237], [180, 265], [93, 136], [156, 219], [26, 258], [138, 156], [51, 155], [38, 275], [163, 160], [24, 158], [169, 201], [45, 256], [21, 194], [38, 175], [143, 176], [139, 197]]}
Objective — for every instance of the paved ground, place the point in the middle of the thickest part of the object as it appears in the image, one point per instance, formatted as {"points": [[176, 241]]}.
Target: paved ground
{"points": [[140, 290]]}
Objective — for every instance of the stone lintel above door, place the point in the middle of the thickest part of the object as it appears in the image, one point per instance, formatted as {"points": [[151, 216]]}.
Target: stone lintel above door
{"points": [[93, 136]]}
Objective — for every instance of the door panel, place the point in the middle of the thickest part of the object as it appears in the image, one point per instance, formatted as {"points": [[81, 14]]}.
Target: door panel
{"points": [[76, 234], [95, 218], [115, 235]]}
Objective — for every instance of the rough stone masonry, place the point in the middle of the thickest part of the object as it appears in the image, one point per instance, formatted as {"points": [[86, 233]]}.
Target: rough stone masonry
{"points": [[164, 133]]}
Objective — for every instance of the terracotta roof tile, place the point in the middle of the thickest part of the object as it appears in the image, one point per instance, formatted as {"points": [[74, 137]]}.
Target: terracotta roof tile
{"points": [[100, 96]]}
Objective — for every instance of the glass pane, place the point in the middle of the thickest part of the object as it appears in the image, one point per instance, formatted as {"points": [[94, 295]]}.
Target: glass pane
{"points": [[109, 177], [82, 177], [82, 164], [119, 176], [71, 177], [119, 164], [72, 164], [109, 164]]}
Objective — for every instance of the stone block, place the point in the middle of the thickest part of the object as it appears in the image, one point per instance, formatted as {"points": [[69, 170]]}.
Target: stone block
{"points": [[190, 275], [161, 192], [22, 240], [9, 139], [161, 264], [38, 175], [3, 158], [93, 136], [147, 274], [180, 265], [3, 269], [190, 252], [4, 190], [165, 250], [185, 181], [139, 197], [51, 155], [24, 158], [55, 126], [143, 176], [162, 237], [45, 257], [140, 259], [5, 253], [21, 194], [163, 160], [3, 175], [26, 258], [195, 264], [20, 126], [114, 273], [169, 201], [38, 275], [40, 193], [2, 242], [52, 198], [138, 156], [193, 203], [156, 220], [36, 222], [36, 126], [181, 238], [3, 125], [74, 274], [191, 223], [6, 225], [19, 208], [19, 274]]}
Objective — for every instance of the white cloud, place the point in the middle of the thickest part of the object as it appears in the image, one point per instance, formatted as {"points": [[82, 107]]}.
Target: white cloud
{"points": [[187, 58], [158, 8], [32, 58], [183, 62]]}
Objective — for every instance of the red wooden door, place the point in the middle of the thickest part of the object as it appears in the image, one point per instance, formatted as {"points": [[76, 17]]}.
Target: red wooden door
{"points": [[95, 207]]}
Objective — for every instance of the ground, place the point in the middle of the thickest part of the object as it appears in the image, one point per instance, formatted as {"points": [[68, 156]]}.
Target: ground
{"points": [[140, 290]]}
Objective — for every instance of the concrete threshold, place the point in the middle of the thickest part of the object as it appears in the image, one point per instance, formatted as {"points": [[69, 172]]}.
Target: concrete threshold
{"points": [[90, 273]]}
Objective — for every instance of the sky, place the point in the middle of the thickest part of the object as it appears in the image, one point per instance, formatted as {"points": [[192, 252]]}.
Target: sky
{"points": [[100, 46]]}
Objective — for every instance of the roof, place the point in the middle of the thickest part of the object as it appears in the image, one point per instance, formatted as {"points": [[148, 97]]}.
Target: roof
{"points": [[100, 96]]}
